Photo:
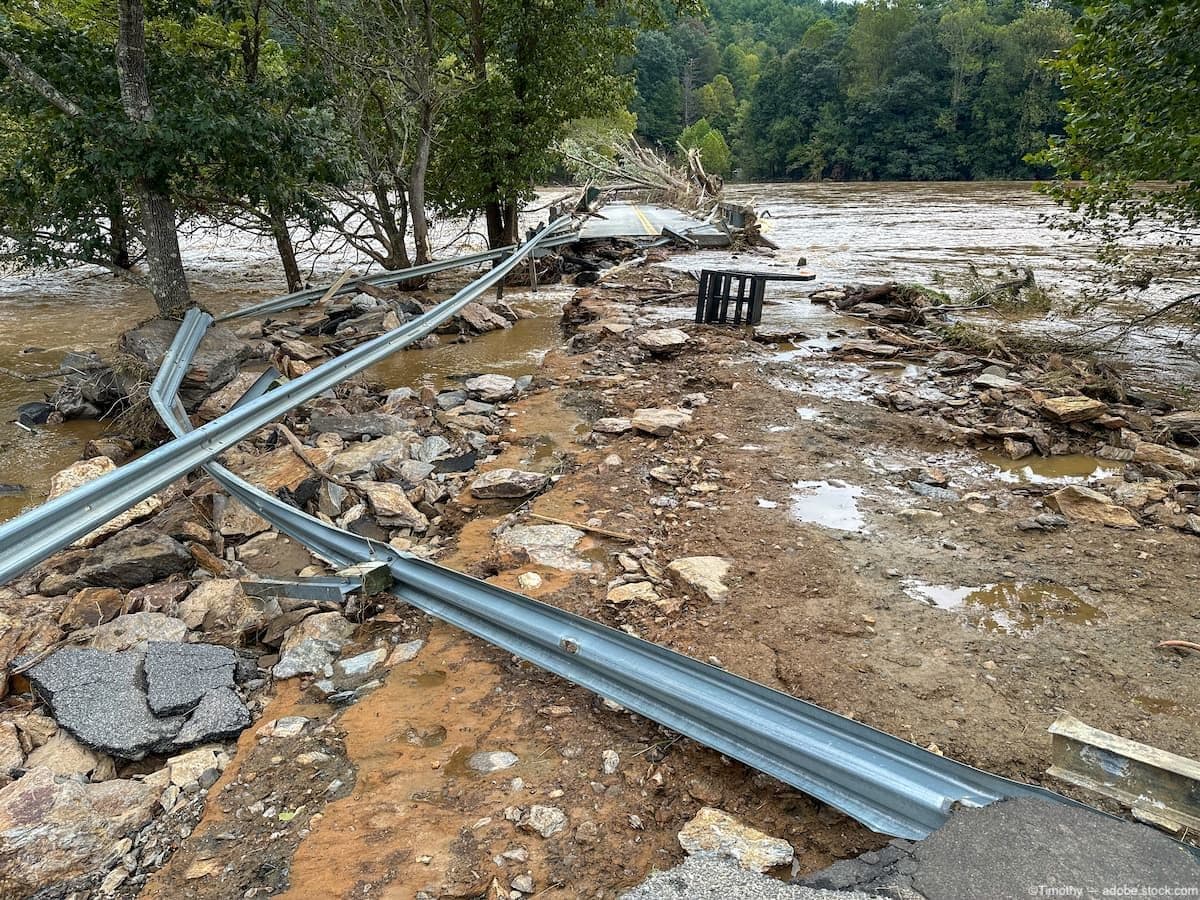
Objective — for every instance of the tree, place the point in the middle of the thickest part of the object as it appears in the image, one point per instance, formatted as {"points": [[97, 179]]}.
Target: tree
{"points": [[1132, 84], [714, 152]]}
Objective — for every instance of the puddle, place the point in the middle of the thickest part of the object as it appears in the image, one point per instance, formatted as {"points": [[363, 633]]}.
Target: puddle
{"points": [[1071, 467], [1158, 705], [831, 504], [1013, 607], [514, 351]]}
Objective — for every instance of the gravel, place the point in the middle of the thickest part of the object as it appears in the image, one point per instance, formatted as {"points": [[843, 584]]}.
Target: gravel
{"points": [[708, 877]]}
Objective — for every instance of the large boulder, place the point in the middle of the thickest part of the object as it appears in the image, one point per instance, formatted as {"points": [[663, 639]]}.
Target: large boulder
{"points": [[214, 364], [56, 829], [132, 558], [1082, 504]]}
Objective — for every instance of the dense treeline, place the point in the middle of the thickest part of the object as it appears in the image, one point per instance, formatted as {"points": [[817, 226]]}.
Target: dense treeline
{"points": [[886, 89]]}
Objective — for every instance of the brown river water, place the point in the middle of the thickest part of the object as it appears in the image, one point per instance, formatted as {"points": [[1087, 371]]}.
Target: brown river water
{"points": [[930, 233]]}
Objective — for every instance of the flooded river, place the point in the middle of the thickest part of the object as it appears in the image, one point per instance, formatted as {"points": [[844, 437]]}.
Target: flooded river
{"points": [[846, 232]]}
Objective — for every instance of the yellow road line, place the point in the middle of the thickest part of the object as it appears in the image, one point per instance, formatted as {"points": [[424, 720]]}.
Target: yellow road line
{"points": [[642, 217]]}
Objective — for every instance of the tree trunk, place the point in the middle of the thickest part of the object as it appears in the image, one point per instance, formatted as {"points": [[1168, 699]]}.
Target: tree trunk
{"points": [[416, 185], [168, 282], [118, 235], [283, 244], [393, 229]]}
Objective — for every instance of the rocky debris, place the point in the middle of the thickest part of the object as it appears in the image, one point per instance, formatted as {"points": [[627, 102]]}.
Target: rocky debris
{"points": [[1074, 409], [63, 755], [361, 459], [1082, 504], [1043, 522], [499, 484], [546, 545], [661, 422], [197, 769], [480, 319], [544, 820], [405, 652], [134, 557], [390, 504], [92, 606], [310, 646], [714, 831], [488, 761], [991, 381], [235, 519], [610, 762], [612, 425], [632, 592], [705, 574], [221, 401], [87, 470], [491, 388], [708, 876], [359, 425], [1167, 457], [135, 631], [221, 606], [103, 697], [662, 341], [217, 360], [53, 829], [286, 727]]}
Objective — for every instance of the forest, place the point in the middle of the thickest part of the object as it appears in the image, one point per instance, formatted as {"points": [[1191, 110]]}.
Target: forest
{"points": [[803, 89]]}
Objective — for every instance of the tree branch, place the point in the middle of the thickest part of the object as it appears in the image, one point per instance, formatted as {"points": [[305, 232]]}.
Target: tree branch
{"points": [[40, 85]]}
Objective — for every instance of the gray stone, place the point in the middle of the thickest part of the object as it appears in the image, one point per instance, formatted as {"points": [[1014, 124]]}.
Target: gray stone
{"points": [[932, 492], [547, 545], [179, 675], [546, 820], [508, 484], [490, 761], [703, 573], [97, 696], [447, 400], [214, 363], [431, 448], [129, 559], [614, 425], [361, 459], [353, 427], [491, 387], [662, 340], [714, 831], [409, 471], [405, 652], [661, 422], [706, 876], [391, 506], [221, 714], [309, 647], [362, 664]]}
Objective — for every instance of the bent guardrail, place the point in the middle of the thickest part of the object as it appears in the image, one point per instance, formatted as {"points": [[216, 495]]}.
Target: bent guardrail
{"points": [[33, 536]]}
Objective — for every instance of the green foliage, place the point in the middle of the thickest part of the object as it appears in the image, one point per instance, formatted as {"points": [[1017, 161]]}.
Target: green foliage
{"points": [[714, 152], [885, 89]]}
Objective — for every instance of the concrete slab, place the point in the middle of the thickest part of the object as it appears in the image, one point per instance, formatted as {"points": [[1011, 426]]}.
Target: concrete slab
{"points": [[637, 220]]}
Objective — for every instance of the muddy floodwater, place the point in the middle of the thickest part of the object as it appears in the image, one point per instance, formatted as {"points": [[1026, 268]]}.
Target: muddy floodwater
{"points": [[929, 233]]}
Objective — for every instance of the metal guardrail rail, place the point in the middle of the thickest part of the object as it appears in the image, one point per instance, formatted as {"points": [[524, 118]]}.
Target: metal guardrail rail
{"points": [[888, 784], [34, 535]]}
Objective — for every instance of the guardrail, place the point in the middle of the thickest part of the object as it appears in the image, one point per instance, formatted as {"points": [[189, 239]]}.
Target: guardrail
{"points": [[34, 535], [887, 784]]}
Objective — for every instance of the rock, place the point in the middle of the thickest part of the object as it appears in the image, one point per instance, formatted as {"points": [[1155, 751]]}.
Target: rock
{"points": [[391, 506], [35, 730], [361, 459], [612, 426], [491, 388], [522, 883], [529, 581], [610, 761], [135, 630], [546, 820], [97, 696], [1074, 408], [490, 761], [221, 605], [282, 468], [221, 714], [52, 831], [933, 492], [118, 449], [507, 484], [1137, 495], [12, 754], [662, 341], [286, 727], [431, 448], [661, 422], [1167, 457], [238, 520], [220, 402], [481, 319], [86, 470], [714, 831], [92, 606], [702, 573], [134, 557], [546, 545], [361, 664], [448, 400], [309, 647], [214, 364], [1082, 504], [199, 768], [634, 592], [1184, 424], [1043, 522], [405, 652], [63, 755], [163, 598], [409, 471], [354, 427], [990, 381], [179, 675]]}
